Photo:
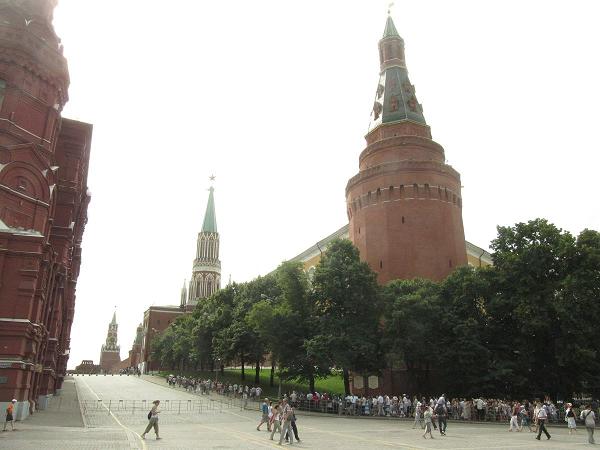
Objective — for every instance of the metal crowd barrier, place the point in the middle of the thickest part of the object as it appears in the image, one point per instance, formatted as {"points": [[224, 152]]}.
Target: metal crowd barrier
{"points": [[166, 406]]}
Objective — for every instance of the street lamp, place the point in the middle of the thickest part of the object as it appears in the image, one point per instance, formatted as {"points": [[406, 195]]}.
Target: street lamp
{"points": [[279, 375], [217, 371]]}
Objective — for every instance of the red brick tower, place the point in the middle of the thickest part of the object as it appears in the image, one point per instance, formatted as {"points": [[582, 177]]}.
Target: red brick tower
{"points": [[43, 205], [110, 355], [404, 205]]}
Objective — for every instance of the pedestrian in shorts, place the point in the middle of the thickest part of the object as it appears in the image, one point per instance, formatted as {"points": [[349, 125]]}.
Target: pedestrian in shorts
{"points": [[10, 411], [264, 409]]}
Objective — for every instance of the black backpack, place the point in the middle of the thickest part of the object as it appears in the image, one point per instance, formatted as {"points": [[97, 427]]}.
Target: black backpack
{"points": [[149, 415]]}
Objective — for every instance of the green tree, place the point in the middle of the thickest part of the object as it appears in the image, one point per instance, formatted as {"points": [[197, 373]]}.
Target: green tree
{"points": [[412, 327], [578, 314], [466, 364], [347, 310], [238, 340], [531, 262], [210, 316]]}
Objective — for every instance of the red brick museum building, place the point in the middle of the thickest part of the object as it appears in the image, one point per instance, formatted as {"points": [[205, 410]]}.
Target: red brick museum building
{"points": [[43, 205]]}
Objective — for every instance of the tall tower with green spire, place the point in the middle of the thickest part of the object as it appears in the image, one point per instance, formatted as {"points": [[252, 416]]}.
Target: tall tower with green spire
{"points": [[206, 272], [404, 204]]}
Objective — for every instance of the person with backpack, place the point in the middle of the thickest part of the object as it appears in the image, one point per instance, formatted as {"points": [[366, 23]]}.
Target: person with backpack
{"points": [[442, 413], [589, 418], [153, 420], [294, 428]]}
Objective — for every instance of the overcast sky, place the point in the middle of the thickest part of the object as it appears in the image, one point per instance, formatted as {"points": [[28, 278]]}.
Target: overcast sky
{"points": [[274, 97]]}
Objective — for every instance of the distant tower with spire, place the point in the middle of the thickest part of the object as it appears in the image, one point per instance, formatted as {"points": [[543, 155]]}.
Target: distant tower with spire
{"points": [[110, 356], [405, 203], [183, 298], [206, 272]]}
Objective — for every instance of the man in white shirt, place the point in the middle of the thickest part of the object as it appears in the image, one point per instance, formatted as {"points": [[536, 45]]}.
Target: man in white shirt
{"points": [[480, 409], [588, 416], [542, 416], [380, 405]]}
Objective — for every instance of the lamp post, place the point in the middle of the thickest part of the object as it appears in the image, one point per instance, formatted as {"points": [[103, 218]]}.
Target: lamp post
{"points": [[218, 360], [279, 376]]}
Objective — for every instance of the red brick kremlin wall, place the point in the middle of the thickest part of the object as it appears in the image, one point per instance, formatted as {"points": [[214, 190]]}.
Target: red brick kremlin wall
{"points": [[43, 205]]}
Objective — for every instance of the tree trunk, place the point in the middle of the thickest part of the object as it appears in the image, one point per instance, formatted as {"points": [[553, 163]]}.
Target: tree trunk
{"points": [[222, 369], [311, 382], [242, 359], [257, 374], [272, 378], [346, 381]]}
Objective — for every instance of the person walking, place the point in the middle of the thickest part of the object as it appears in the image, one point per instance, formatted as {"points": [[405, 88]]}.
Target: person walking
{"points": [[275, 420], [441, 412], [418, 418], [427, 416], [264, 409], [10, 411], [514, 418], [542, 416], [244, 401], [286, 421], [570, 418], [589, 418], [525, 416], [153, 420], [293, 424]]}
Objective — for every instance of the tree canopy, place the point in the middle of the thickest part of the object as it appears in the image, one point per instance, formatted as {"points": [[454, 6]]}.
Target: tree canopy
{"points": [[527, 325]]}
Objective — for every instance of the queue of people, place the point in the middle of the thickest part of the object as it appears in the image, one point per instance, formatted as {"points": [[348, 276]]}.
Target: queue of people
{"points": [[430, 415]]}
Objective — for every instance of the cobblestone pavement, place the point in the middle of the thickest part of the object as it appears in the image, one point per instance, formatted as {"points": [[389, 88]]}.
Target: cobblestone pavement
{"points": [[185, 423]]}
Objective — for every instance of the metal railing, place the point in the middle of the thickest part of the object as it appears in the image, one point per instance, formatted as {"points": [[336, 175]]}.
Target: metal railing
{"points": [[190, 406]]}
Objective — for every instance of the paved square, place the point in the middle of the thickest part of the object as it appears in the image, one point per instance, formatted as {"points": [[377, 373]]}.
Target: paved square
{"points": [[190, 421]]}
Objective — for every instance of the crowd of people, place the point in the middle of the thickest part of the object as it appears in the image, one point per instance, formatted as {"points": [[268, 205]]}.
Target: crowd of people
{"points": [[428, 414]]}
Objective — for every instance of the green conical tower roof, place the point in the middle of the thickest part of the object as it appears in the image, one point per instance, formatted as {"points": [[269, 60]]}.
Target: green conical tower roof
{"points": [[390, 29], [210, 218], [395, 97], [114, 319]]}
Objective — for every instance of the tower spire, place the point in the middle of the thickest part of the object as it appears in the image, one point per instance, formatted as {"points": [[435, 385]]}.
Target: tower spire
{"points": [[183, 298], [210, 218], [206, 272], [390, 28], [395, 98]]}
